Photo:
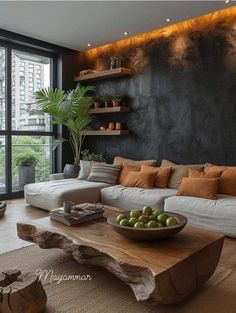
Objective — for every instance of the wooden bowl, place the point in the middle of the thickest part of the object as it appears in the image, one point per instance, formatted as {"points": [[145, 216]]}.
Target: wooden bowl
{"points": [[148, 233]]}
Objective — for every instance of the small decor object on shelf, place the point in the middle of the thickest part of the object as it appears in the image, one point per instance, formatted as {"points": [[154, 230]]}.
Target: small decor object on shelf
{"points": [[97, 103], [86, 72], [79, 214], [106, 98], [116, 101], [111, 126], [3, 207], [119, 126], [102, 128], [116, 62], [112, 63], [21, 293]]}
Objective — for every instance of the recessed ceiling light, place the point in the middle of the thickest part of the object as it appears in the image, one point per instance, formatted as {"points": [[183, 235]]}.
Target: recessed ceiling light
{"points": [[126, 33], [89, 44], [168, 20], [227, 1]]}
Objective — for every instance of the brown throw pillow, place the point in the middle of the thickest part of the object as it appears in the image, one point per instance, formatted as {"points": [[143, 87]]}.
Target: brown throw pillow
{"points": [[162, 175], [138, 179], [125, 171], [199, 187], [178, 172], [227, 179], [120, 160], [202, 174]]}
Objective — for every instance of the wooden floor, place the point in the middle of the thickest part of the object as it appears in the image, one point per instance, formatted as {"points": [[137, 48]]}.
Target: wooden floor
{"points": [[18, 211]]}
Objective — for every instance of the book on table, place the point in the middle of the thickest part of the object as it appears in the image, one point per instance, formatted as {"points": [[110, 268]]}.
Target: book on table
{"points": [[79, 214]]}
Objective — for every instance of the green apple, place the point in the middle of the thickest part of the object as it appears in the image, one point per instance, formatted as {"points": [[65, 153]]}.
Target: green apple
{"points": [[139, 225], [147, 210], [171, 221], [151, 217], [152, 224], [144, 219], [159, 224], [120, 217], [162, 218], [133, 221], [124, 222], [135, 213], [156, 213]]}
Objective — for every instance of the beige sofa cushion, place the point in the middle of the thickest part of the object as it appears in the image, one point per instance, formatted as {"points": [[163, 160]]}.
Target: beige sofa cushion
{"points": [[214, 215], [129, 198], [50, 195], [178, 172], [120, 160]]}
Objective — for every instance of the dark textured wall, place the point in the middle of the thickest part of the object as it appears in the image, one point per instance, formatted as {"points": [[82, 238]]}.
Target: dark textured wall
{"points": [[182, 95]]}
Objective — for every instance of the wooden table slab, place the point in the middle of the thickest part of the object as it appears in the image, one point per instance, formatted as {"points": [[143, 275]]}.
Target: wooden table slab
{"points": [[164, 271]]}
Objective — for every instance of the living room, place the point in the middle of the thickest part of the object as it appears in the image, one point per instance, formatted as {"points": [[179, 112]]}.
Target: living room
{"points": [[117, 156]]}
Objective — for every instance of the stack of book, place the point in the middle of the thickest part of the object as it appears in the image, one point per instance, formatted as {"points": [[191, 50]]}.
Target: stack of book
{"points": [[79, 214]]}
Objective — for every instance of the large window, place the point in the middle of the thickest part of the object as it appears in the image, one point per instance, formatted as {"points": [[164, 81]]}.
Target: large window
{"points": [[24, 130]]}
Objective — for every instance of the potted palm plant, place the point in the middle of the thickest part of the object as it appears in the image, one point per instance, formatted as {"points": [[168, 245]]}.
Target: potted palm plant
{"points": [[71, 109], [26, 162]]}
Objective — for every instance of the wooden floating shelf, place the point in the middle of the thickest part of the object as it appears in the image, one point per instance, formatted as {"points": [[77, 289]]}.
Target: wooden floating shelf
{"points": [[116, 72], [110, 110], [105, 132]]}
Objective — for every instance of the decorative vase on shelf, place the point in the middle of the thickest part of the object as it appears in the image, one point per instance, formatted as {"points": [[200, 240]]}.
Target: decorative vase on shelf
{"points": [[71, 170], [97, 104]]}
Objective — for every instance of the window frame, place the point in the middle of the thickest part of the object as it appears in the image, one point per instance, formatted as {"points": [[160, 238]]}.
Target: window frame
{"points": [[8, 132]]}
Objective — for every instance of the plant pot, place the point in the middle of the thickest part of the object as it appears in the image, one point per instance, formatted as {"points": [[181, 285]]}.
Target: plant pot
{"points": [[26, 175], [71, 171], [106, 104], [97, 105], [116, 103]]}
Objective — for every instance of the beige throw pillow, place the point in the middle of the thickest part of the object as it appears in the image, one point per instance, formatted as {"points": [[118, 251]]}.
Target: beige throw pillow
{"points": [[85, 169], [178, 172], [120, 160]]}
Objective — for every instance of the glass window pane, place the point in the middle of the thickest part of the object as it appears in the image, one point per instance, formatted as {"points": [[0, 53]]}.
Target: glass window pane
{"points": [[2, 88], [24, 149], [29, 73], [2, 165]]}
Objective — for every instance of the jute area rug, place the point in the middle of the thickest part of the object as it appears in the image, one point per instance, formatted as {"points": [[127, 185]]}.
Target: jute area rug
{"points": [[100, 292]]}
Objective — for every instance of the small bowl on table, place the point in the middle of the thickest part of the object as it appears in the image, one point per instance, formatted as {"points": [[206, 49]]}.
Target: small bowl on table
{"points": [[148, 233]]}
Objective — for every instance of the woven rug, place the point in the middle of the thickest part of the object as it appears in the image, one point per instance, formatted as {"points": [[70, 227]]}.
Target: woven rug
{"points": [[101, 292]]}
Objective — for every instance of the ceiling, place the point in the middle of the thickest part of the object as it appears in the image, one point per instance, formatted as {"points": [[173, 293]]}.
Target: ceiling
{"points": [[74, 24]]}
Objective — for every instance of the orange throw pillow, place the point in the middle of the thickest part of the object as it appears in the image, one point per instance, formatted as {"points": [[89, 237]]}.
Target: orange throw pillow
{"points": [[199, 187], [138, 179], [227, 180], [162, 174], [125, 171], [201, 174]]}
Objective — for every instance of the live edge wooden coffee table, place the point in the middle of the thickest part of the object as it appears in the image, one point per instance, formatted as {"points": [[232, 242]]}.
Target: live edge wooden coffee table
{"points": [[164, 271]]}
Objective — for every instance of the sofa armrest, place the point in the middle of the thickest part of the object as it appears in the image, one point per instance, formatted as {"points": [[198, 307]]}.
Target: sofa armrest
{"points": [[56, 176]]}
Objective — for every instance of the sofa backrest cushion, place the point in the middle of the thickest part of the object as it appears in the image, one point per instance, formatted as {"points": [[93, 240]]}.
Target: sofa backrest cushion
{"points": [[227, 179], [199, 187], [126, 168], [178, 172], [162, 174], [85, 169], [201, 174], [120, 160], [107, 173], [138, 179]]}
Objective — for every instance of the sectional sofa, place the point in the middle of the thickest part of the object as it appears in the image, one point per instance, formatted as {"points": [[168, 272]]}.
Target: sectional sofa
{"points": [[215, 215]]}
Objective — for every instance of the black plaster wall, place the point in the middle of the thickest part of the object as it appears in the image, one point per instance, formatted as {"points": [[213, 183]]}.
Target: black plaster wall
{"points": [[182, 98]]}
